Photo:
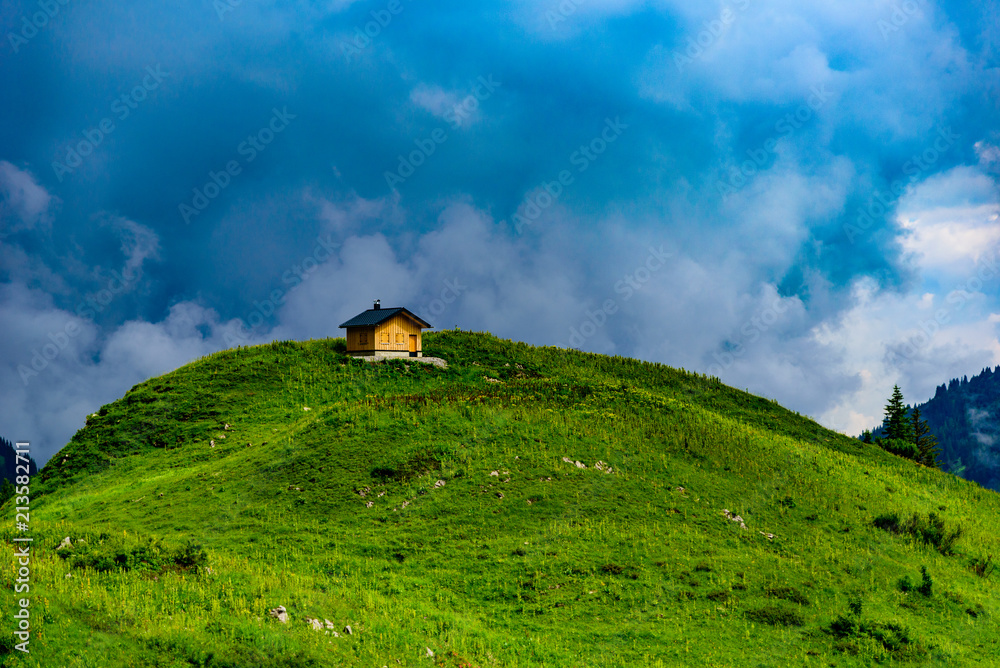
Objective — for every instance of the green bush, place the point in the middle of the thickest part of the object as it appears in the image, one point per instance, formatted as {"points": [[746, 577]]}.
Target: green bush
{"points": [[192, 555], [788, 594], [775, 616], [982, 567], [892, 638], [407, 466], [721, 596], [899, 447], [926, 584], [105, 556], [930, 530], [925, 587]]}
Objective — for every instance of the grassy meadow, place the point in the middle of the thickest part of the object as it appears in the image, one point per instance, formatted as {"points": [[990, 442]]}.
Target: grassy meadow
{"points": [[523, 507]]}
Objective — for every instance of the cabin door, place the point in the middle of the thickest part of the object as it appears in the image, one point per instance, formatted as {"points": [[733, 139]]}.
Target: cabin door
{"points": [[413, 345]]}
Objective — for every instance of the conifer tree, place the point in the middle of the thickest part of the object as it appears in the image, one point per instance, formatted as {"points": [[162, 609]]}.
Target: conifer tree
{"points": [[866, 436], [896, 424], [924, 440]]}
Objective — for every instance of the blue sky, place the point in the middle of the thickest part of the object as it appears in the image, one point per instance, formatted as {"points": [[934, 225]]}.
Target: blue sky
{"points": [[800, 198]]}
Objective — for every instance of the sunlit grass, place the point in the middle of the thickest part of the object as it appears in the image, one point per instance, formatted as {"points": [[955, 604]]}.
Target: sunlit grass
{"points": [[542, 564]]}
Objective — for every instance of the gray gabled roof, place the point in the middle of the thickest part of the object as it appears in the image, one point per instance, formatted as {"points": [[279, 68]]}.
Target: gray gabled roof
{"points": [[375, 316]]}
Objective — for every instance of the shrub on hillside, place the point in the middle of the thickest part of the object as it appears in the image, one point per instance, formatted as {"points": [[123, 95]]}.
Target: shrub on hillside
{"points": [[899, 447], [150, 556], [925, 587], [885, 637], [788, 594], [402, 467], [775, 616], [982, 567], [931, 530]]}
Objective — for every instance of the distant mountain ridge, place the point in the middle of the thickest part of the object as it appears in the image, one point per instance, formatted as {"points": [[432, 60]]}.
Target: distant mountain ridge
{"points": [[9, 455], [964, 415]]}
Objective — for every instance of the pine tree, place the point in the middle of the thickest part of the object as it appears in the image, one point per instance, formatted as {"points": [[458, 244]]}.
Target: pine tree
{"points": [[866, 436], [895, 425], [924, 440]]}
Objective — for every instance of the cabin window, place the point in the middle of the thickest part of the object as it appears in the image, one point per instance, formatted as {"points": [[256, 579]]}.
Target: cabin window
{"points": [[385, 337], [363, 338], [400, 337]]}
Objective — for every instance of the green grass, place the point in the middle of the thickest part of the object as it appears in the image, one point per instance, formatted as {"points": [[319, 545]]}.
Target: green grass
{"points": [[542, 564]]}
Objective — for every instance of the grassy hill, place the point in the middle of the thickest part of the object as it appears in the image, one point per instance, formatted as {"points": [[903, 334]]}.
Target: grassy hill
{"points": [[523, 507]]}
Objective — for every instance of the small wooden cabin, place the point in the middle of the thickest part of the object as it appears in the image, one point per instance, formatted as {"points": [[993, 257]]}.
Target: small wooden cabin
{"points": [[385, 332]]}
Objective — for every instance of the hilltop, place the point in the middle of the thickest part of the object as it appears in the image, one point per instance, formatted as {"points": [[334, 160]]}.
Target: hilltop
{"points": [[524, 506]]}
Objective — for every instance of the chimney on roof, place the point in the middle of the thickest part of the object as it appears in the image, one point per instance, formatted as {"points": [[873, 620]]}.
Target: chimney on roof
{"points": [[377, 305]]}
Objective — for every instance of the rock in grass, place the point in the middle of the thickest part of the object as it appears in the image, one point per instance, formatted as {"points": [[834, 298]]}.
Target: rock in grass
{"points": [[66, 542], [280, 614], [348, 631]]}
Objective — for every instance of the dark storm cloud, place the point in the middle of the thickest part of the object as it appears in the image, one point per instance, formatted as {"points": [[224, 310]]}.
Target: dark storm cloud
{"points": [[265, 169]]}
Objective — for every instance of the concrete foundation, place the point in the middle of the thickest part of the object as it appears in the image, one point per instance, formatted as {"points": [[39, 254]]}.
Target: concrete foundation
{"points": [[385, 353]]}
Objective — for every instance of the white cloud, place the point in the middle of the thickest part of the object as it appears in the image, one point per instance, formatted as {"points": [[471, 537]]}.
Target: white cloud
{"points": [[988, 153], [139, 243], [460, 109], [950, 221], [905, 339], [24, 203], [952, 239]]}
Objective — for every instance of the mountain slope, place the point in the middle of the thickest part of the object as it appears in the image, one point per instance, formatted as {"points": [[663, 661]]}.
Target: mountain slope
{"points": [[965, 417], [523, 507]]}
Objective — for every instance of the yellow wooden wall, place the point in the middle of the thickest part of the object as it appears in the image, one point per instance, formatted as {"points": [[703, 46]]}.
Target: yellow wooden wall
{"points": [[398, 329], [354, 339]]}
